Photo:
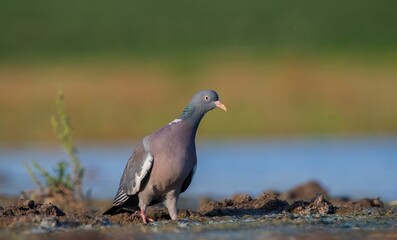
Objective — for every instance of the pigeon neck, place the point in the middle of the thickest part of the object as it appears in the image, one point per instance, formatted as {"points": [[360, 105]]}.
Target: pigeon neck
{"points": [[192, 114]]}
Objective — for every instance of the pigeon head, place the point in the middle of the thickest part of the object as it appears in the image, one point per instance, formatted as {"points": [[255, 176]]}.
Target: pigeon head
{"points": [[201, 103]]}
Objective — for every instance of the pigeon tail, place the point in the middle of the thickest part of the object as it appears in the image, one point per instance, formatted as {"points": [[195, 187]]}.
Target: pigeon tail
{"points": [[112, 211], [129, 206]]}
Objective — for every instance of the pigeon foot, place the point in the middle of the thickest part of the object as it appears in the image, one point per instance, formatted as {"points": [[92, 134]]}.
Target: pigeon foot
{"points": [[144, 218]]}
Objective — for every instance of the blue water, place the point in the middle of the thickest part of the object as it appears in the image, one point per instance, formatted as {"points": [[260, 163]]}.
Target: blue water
{"points": [[355, 167]]}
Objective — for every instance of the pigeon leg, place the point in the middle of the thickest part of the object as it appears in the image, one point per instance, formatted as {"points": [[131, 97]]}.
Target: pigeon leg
{"points": [[171, 203], [143, 215], [144, 218]]}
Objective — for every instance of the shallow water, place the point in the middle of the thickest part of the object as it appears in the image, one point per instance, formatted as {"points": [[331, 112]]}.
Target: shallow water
{"points": [[356, 167]]}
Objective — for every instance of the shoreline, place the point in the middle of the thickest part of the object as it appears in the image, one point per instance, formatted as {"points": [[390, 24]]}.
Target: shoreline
{"points": [[276, 215]]}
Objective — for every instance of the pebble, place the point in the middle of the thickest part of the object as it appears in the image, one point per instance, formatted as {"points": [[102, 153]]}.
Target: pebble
{"points": [[49, 223]]}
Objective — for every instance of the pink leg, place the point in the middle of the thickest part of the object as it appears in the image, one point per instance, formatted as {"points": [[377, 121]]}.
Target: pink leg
{"points": [[143, 215], [144, 218]]}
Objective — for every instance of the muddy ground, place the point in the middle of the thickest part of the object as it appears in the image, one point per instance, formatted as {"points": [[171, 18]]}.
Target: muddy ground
{"points": [[305, 212]]}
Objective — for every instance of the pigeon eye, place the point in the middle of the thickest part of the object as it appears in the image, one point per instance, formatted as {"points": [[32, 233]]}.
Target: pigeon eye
{"points": [[206, 97]]}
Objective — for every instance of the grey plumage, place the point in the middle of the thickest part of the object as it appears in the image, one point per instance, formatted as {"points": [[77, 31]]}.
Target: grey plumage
{"points": [[163, 164]]}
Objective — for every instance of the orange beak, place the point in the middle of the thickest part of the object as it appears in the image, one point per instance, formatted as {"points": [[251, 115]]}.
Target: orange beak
{"points": [[220, 105]]}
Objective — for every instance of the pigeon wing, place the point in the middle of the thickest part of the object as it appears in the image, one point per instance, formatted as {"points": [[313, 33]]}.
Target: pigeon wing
{"points": [[188, 180], [136, 172]]}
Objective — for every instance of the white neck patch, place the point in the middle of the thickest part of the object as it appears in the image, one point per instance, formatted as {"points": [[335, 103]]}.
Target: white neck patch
{"points": [[175, 121]]}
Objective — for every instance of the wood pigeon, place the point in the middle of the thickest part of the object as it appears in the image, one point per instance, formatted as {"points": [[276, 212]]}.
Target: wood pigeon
{"points": [[163, 163]]}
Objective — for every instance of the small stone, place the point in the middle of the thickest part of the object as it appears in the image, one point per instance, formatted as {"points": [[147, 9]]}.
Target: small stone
{"points": [[377, 202], [30, 204], [327, 220], [183, 223], [101, 221], [49, 223]]}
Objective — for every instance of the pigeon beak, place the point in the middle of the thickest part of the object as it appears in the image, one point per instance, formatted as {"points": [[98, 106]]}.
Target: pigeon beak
{"points": [[220, 105]]}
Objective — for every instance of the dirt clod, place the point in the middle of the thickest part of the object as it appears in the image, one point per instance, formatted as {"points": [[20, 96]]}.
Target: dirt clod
{"points": [[318, 205], [305, 192], [29, 207], [370, 202], [241, 198], [241, 206]]}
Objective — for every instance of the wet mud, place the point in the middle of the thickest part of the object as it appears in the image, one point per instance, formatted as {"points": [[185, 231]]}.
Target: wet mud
{"points": [[304, 210]]}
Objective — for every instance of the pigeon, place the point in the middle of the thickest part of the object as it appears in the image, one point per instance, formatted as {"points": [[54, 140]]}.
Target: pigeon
{"points": [[163, 164]]}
